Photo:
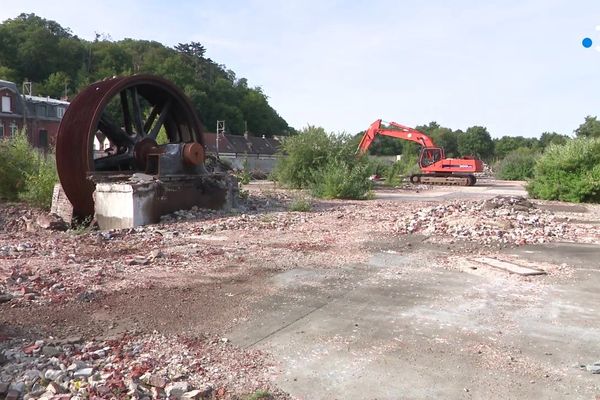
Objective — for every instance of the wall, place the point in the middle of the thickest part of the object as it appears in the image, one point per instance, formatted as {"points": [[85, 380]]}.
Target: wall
{"points": [[255, 162]]}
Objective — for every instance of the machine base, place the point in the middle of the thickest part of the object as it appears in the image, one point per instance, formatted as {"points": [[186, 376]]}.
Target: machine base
{"points": [[127, 204]]}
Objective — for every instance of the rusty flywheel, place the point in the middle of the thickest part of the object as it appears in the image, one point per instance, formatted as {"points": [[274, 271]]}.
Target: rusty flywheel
{"points": [[128, 114]]}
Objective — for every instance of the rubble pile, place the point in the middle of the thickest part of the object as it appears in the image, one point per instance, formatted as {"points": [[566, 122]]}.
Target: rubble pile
{"points": [[150, 366], [502, 220]]}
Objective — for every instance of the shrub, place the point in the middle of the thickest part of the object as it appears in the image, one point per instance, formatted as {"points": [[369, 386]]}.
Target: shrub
{"points": [[341, 180], [325, 163], [17, 161], [518, 165], [406, 166], [26, 174], [39, 185], [300, 204], [569, 172], [310, 151]]}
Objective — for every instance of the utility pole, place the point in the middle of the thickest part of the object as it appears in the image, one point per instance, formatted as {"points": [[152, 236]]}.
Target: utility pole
{"points": [[220, 130]]}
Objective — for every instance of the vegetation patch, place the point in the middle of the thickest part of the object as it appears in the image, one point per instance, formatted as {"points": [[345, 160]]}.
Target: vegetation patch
{"points": [[569, 172], [26, 174], [325, 163], [518, 165]]}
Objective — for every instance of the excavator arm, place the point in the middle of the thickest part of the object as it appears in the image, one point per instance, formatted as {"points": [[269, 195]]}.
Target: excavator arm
{"points": [[396, 130]]}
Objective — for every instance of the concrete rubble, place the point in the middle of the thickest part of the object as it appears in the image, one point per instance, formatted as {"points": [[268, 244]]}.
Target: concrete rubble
{"points": [[502, 220], [130, 366], [48, 277]]}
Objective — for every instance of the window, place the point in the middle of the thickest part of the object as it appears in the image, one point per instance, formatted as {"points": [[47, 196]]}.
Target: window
{"points": [[6, 104], [13, 128], [1, 131], [60, 111], [40, 110]]}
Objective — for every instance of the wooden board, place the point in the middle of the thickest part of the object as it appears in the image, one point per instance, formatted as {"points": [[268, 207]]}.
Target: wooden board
{"points": [[509, 267]]}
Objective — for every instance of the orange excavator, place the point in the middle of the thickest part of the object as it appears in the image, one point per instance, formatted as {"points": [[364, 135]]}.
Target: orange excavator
{"points": [[436, 169]]}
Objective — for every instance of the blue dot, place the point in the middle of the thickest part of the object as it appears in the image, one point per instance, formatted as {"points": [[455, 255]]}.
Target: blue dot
{"points": [[587, 42]]}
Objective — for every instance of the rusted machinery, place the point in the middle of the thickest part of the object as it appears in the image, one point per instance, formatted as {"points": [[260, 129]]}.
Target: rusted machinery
{"points": [[130, 114]]}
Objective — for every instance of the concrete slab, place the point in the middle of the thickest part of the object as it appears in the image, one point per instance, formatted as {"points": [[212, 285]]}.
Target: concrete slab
{"points": [[509, 267], [402, 327]]}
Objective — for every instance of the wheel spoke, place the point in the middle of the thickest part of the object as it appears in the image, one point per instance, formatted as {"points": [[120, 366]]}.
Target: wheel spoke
{"points": [[137, 113], [161, 120], [126, 113], [151, 118], [112, 131]]}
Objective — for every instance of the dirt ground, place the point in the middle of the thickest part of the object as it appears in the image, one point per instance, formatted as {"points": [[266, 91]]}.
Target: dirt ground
{"points": [[202, 290]]}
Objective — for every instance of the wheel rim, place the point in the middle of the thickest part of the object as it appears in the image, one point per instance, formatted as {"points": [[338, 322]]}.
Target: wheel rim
{"points": [[128, 111]]}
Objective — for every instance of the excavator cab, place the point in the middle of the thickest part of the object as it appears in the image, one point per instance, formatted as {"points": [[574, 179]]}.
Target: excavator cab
{"points": [[430, 155]]}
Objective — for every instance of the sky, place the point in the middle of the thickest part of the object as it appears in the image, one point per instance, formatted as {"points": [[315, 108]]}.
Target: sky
{"points": [[517, 67]]}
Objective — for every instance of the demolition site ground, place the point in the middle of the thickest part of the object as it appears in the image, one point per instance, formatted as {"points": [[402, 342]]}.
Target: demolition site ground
{"points": [[446, 292]]}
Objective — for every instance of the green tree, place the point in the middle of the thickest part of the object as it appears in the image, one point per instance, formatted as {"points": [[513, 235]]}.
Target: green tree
{"points": [[446, 139], [508, 144], [55, 86], [476, 141], [590, 128], [549, 138], [50, 55]]}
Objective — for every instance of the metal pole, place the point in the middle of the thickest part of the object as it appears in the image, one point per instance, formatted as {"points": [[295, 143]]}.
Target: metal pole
{"points": [[220, 130]]}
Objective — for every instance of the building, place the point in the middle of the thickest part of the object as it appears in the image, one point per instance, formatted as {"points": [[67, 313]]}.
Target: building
{"points": [[40, 116], [252, 152]]}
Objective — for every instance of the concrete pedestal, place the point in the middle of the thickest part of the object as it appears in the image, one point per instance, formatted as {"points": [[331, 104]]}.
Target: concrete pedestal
{"points": [[121, 205]]}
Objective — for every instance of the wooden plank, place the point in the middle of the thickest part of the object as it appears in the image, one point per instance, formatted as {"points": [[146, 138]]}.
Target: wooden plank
{"points": [[510, 267]]}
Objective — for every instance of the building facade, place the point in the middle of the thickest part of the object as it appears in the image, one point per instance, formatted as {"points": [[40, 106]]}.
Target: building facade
{"points": [[40, 116]]}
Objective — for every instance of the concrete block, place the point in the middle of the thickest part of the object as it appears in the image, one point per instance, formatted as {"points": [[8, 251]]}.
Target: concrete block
{"points": [[61, 205], [124, 205]]}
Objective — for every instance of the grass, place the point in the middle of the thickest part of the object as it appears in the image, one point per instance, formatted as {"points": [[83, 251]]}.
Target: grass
{"points": [[260, 394], [300, 204]]}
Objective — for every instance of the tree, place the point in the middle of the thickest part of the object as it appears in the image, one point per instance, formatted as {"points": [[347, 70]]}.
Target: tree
{"points": [[446, 139], [51, 56], [590, 128], [476, 141], [549, 138], [385, 146], [508, 144]]}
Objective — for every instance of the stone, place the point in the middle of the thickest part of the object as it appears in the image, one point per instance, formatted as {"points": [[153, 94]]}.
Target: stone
{"points": [[157, 381], [83, 373], [51, 351], [203, 393], [16, 387], [3, 387], [55, 388], [594, 368], [175, 390], [5, 297], [12, 395], [53, 374], [52, 222]]}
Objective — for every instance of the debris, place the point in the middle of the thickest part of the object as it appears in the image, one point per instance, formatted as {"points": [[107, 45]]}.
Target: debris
{"points": [[594, 368], [501, 220]]}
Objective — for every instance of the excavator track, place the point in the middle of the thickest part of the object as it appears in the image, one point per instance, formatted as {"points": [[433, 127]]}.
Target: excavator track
{"points": [[440, 179]]}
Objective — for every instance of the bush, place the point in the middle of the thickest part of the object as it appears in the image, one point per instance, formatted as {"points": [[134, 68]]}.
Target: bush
{"points": [[341, 180], [325, 163], [569, 172], [17, 161], [408, 165], [26, 174], [518, 165], [39, 185]]}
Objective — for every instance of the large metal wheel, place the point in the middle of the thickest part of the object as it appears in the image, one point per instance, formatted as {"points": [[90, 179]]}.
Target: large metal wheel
{"points": [[128, 111]]}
